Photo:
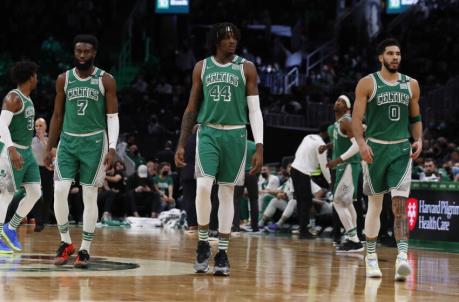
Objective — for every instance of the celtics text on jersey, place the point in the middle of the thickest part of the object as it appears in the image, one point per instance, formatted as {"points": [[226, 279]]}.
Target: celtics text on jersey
{"points": [[387, 112], [84, 103], [224, 92]]}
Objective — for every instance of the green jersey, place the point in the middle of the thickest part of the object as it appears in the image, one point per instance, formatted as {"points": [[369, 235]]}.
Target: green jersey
{"points": [[341, 142], [387, 112], [22, 124], [84, 103], [164, 183], [224, 93]]}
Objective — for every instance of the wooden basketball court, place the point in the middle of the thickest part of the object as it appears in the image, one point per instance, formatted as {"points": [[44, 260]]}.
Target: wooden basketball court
{"points": [[156, 265]]}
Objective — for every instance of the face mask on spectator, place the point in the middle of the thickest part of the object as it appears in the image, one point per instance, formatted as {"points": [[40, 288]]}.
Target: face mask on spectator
{"points": [[165, 173], [264, 174]]}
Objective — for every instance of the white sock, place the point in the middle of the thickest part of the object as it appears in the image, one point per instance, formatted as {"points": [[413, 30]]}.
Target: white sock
{"points": [[33, 194], [5, 200], [372, 221], [203, 204], [225, 208], [61, 208], [344, 215], [90, 214]]}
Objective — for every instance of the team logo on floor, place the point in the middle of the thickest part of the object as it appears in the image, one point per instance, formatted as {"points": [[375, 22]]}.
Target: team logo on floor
{"points": [[34, 265]]}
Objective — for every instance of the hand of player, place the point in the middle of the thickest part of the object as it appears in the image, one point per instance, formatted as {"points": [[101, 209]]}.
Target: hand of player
{"points": [[366, 153], [417, 148], [180, 157], [257, 160], [48, 160], [109, 159], [333, 163], [16, 158], [322, 149]]}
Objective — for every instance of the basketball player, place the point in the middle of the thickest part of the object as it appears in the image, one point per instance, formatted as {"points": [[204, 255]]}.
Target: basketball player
{"points": [[224, 85], [85, 108], [390, 102], [347, 164], [17, 163]]}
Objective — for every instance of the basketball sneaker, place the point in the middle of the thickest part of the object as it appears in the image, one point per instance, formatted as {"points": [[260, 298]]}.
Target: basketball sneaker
{"points": [[63, 253], [372, 269], [222, 265], [402, 267], [82, 259], [4, 249], [11, 238], [203, 254], [273, 227], [349, 246]]}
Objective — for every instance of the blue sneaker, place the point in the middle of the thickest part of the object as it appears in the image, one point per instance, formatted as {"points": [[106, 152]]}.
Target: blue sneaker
{"points": [[4, 249], [11, 238], [273, 227]]}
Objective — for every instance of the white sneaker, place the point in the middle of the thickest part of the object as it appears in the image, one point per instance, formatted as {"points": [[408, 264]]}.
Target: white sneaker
{"points": [[372, 267], [402, 267]]}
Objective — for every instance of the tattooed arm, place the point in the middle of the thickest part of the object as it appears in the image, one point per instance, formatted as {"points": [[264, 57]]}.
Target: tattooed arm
{"points": [[190, 114]]}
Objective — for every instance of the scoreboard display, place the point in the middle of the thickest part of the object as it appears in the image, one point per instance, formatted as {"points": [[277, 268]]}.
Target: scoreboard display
{"points": [[399, 6], [172, 6]]}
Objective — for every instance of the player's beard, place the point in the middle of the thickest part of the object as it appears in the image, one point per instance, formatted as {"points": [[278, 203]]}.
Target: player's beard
{"points": [[85, 66], [391, 70]]}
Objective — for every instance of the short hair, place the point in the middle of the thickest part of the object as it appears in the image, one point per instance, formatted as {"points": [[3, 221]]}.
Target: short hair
{"points": [[22, 71], [219, 32], [91, 39], [164, 164], [430, 160], [385, 43]]}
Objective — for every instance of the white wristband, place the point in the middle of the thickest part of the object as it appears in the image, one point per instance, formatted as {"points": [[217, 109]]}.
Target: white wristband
{"points": [[255, 118], [353, 150], [113, 129]]}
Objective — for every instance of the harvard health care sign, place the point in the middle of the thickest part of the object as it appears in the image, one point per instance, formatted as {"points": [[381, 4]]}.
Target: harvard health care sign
{"points": [[433, 211]]}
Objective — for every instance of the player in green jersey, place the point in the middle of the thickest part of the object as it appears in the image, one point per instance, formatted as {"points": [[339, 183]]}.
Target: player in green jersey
{"points": [[346, 163], [17, 163], [85, 112], [390, 102], [224, 87]]}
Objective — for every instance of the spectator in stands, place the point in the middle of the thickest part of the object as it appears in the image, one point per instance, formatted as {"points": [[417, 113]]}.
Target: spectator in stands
{"points": [[142, 197], [430, 171], [165, 186], [152, 168], [134, 155], [267, 183], [140, 85], [112, 195]]}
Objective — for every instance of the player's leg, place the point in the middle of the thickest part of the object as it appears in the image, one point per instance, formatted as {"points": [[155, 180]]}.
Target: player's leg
{"points": [[33, 193], [400, 178], [5, 200], [31, 182], [231, 166], [287, 213], [342, 201], [225, 219], [92, 151], [10, 179], [275, 205], [90, 214], [65, 168], [372, 225], [206, 169]]}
